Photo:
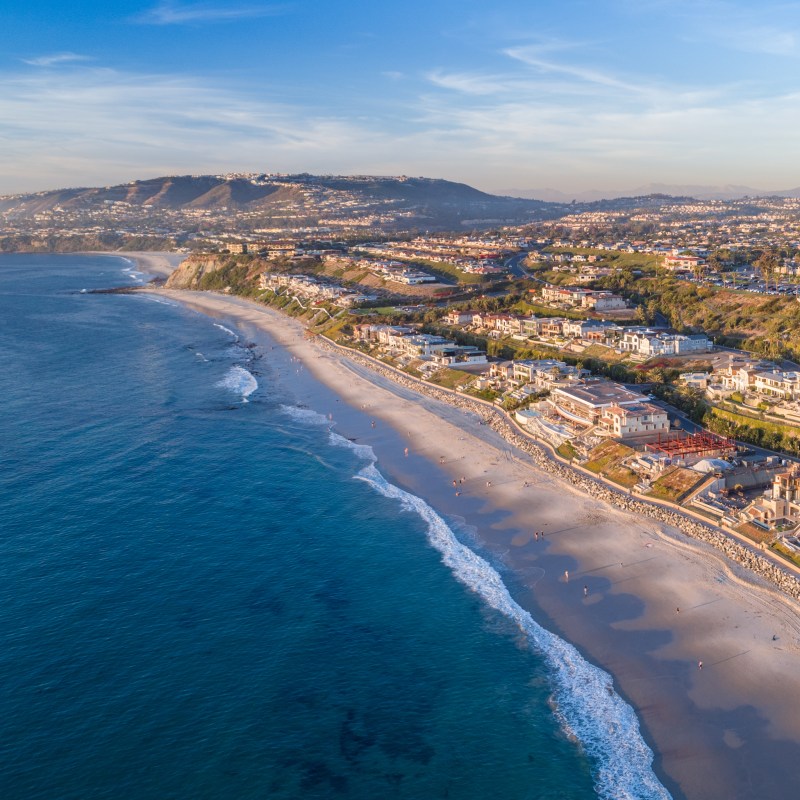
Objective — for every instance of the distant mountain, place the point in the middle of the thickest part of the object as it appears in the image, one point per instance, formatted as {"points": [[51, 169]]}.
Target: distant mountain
{"points": [[699, 192], [287, 200]]}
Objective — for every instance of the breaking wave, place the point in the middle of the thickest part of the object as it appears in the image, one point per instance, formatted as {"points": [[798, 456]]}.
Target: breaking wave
{"points": [[586, 705], [239, 381], [227, 330], [306, 415]]}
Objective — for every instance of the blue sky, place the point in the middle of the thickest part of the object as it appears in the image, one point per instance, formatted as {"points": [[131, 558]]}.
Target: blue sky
{"points": [[523, 94]]}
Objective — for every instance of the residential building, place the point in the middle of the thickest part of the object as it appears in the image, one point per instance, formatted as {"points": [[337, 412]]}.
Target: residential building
{"points": [[604, 301], [777, 383], [458, 317], [585, 402], [635, 420], [781, 506]]}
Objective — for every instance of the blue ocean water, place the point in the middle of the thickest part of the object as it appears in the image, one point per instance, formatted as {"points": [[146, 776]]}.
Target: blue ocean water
{"points": [[205, 593]]}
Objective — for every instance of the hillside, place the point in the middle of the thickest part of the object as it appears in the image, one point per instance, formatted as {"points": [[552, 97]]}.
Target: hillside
{"points": [[286, 201], [764, 324]]}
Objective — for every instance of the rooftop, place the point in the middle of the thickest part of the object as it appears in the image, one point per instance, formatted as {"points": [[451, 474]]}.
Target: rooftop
{"points": [[601, 393]]}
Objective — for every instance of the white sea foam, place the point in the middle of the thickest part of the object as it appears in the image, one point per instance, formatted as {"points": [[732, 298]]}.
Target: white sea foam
{"points": [[227, 330], [132, 272], [362, 450], [306, 415], [586, 705], [240, 381]]}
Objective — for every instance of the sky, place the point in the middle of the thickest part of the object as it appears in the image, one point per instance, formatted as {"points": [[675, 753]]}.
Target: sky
{"points": [[507, 95]]}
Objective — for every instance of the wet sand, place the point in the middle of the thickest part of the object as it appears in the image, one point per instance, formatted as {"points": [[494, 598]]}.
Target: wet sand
{"points": [[729, 730], [160, 265]]}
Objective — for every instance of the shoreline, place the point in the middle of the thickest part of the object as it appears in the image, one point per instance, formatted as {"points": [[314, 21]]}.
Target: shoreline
{"points": [[157, 264], [716, 732]]}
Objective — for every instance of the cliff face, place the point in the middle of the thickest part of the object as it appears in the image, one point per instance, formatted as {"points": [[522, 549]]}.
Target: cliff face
{"points": [[191, 271]]}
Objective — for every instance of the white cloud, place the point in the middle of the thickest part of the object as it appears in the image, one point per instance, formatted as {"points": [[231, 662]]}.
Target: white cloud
{"points": [[55, 58], [95, 126], [168, 13], [524, 126], [532, 57]]}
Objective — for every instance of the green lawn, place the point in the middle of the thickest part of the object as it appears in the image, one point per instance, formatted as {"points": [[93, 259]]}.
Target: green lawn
{"points": [[607, 454], [673, 485], [450, 378], [785, 552], [567, 450]]}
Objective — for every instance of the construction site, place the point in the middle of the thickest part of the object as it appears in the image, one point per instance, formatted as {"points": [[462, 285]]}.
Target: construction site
{"points": [[689, 448]]}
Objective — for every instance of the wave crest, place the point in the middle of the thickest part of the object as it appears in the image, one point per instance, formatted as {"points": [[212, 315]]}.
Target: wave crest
{"points": [[305, 415], [586, 705], [239, 380]]}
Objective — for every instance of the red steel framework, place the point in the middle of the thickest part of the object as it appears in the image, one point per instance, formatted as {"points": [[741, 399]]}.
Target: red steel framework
{"points": [[703, 443]]}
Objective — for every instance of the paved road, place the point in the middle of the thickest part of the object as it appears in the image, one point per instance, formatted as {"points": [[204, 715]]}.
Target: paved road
{"points": [[515, 267]]}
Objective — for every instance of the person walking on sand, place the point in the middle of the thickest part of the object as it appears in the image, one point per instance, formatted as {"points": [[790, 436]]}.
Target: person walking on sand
{"points": [[405, 452], [699, 665], [585, 591], [566, 575]]}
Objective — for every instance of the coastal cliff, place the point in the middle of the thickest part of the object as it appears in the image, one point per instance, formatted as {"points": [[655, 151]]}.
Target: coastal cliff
{"points": [[217, 272], [190, 274]]}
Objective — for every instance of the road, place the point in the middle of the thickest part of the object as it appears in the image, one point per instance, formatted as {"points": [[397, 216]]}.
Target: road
{"points": [[515, 267]]}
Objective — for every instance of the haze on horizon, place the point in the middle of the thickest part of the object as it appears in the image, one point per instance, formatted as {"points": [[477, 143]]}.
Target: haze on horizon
{"points": [[575, 95]]}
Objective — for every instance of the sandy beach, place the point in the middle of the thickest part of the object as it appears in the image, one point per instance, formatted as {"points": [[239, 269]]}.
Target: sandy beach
{"points": [[637, 598], [160, 265]]}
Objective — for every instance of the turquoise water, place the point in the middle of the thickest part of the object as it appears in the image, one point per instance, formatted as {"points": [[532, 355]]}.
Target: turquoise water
{"points": [[205, 593]]}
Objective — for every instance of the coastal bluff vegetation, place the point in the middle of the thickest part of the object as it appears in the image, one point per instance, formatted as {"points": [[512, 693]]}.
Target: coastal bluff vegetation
{"points": [[767, 324]]}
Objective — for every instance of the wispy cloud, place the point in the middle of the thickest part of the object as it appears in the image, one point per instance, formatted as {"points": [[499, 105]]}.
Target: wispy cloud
{"points": [[167, 13], [55, 58], [93, 126], [533, 57]]}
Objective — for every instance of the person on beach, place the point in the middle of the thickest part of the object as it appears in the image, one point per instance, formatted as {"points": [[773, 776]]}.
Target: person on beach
{"points": [[566, 575], [585, 591], [536, 536], [405, 452], [699, 665]]}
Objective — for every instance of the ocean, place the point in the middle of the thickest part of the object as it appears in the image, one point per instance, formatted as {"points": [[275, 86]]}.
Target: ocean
{"points": [[208, 592]]}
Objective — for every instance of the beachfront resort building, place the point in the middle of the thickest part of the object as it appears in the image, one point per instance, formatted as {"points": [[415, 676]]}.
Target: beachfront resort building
{"points": [[584, 403], [402, 340]]}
